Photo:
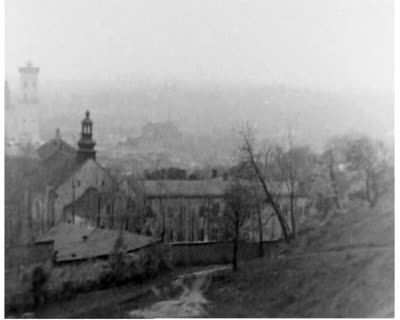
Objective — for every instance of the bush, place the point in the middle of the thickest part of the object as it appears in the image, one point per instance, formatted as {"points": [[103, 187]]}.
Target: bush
{"points": [[148, 263], [64, 282]]}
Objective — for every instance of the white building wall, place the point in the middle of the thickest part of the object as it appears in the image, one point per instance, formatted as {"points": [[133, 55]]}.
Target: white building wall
{"points": [[91, 174]]}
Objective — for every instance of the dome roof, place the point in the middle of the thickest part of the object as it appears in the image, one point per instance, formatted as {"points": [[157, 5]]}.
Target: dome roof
{"points": [[87, 119]]}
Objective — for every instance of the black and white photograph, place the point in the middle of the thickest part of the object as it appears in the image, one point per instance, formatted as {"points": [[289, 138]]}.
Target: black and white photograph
{"points": [[199, 159]]}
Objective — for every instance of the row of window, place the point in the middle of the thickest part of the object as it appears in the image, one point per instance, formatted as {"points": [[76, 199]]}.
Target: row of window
{"points": [[77, 183], [26, 84]]}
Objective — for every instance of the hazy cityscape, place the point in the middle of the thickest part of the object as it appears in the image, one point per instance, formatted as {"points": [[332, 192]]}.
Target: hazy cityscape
{"points": [[175, 158]]}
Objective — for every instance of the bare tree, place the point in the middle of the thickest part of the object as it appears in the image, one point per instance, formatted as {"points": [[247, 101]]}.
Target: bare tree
{"points": [[249, 156], [247, 173], [330, 161], [239, 203], [371, 158], [291, 181]]}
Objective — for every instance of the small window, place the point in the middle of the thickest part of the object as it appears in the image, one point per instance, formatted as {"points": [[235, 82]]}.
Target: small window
{"points": [[201, 234], [215, 209], [25, 84], [201, 211], [102, 182], [78, 183]]}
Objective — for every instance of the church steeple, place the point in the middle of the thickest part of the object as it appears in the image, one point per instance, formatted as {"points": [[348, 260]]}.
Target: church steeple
{"points": [[86, 143]]}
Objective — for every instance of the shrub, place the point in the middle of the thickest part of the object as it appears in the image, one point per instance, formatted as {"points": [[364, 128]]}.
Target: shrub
{"points": [[39, 278]]}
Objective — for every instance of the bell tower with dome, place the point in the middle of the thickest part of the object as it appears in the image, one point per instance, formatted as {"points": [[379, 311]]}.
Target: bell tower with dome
{"points": [[86, 143]]}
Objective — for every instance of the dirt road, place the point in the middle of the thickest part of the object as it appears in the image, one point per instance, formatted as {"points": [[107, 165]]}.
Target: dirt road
{"points": [[189, 303]]}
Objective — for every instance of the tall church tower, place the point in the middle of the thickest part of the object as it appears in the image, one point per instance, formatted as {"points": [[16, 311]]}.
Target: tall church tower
{"points": [[28, 105], [86, 143], [29, 82]]}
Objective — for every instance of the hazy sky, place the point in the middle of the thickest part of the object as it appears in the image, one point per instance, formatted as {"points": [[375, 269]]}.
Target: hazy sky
{"points": [[329, 44]]}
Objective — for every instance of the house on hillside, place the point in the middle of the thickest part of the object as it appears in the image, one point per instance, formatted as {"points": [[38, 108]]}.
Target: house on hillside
{"points": [[193, 210]]}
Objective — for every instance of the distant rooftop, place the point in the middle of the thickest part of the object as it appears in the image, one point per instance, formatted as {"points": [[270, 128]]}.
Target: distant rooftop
{"points": [[198, 188]]}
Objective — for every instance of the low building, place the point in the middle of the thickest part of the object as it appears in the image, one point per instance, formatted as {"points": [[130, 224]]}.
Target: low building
{"points": [[77, 243], [194, 210]]}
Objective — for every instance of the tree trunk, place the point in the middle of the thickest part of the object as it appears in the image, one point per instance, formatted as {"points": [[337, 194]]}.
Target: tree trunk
{"points": [[112, 210], [163, 221], [268, 194], [368, 189], [260, 233], [127, 212], [235, 247], [98, 210], [292, 218], [333, 180]]}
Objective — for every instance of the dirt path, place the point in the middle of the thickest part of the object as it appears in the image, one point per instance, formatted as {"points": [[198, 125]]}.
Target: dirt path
{"points": [[191, 301], [343, 249]]}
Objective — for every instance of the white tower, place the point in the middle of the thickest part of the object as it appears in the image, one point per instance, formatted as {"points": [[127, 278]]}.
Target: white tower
{"points": [[28, 104]]}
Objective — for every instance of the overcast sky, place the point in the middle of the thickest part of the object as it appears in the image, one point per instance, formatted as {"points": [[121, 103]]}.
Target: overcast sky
{"points": [[328, 44]]}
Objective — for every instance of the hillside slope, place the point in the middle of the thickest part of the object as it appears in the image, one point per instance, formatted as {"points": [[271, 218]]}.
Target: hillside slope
{"points": [[343, 269]]}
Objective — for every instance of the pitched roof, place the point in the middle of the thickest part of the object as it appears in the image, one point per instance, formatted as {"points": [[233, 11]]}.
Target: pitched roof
{"points": [[59, 167], [70, 244], [53, 146], [65, 233], [185, 188]]}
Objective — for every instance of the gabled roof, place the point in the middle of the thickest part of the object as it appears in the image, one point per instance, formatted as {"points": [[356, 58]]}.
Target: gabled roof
{"points": [[77, 242], [60, 167], [47, 150]]}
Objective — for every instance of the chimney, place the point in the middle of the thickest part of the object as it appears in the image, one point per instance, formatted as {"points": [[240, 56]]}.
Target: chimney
{"points": [[58, 135]]}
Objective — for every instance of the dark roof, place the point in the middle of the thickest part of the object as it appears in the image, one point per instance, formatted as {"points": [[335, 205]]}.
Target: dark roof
{"points": [[197, 188], [54, 146], [59, 167], [64, 233], [70, 244], [185, 188], [87, 119]]}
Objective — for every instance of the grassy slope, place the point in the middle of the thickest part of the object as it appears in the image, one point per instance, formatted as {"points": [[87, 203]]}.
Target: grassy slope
{"points": [[344, 269]]}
